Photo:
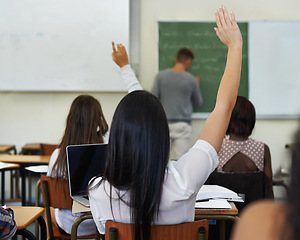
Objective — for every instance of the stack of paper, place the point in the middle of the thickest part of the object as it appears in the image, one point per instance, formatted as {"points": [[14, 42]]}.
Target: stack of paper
{"points": [[38, 169], [208, 192], [214, 203], [5, 165]]}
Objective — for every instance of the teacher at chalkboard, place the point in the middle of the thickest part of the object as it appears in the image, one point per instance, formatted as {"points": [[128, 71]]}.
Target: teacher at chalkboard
{"points": [[178, 91]]}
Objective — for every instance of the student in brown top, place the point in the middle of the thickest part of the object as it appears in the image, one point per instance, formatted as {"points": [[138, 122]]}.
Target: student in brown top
{"points": [[240, 153]]}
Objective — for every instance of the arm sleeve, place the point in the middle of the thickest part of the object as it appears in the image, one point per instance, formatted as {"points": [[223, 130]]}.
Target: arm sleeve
{"points": [[197, 96], [193, 168], [155, 88], [129, 78]]}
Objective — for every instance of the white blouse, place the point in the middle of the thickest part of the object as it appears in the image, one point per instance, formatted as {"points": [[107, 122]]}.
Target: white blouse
{"points": [[183, 179]]}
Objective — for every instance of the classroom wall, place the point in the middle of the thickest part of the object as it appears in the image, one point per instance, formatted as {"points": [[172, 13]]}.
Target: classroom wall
{"points": [[28, 117], [276, 133]]}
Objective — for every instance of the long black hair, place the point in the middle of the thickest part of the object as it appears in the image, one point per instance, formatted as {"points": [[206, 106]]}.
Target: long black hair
{"points": [[137, 156]]}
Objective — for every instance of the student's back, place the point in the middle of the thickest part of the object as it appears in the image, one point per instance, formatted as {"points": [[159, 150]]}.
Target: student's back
{"points": [[136, 177]]}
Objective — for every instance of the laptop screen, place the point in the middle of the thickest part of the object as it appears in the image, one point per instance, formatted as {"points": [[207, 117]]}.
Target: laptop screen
{"points": [[84, 162]]}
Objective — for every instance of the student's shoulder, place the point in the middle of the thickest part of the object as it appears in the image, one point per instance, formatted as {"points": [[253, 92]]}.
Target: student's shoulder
{"points": [[258, 219], [261, 207]]}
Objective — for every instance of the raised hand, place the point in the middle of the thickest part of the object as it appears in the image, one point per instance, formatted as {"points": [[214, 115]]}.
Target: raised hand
{"points": [[119, 55], [227, 30]]}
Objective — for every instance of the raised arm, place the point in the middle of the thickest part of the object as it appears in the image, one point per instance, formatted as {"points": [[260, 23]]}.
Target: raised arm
{"points": [[216, 124], [120, 57]]}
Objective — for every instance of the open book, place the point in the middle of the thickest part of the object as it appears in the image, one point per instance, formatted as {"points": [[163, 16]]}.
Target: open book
{"points": [[209, 192]]}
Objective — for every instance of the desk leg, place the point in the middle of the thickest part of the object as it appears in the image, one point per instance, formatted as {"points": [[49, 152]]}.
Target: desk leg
{"points": [[22, 171], [2, 188], [43, 227], [25, 233], [222, 229]]}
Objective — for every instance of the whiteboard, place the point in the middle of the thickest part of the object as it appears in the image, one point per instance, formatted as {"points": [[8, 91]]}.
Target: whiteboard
{"points": [[61, 45], [274, 68]]}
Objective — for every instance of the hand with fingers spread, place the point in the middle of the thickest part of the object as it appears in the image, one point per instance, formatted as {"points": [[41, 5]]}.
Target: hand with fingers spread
{"points": [[227, 30], [119, 55]]}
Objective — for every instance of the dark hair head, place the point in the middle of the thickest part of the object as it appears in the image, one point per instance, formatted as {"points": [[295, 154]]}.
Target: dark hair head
{"points": [[137, 155], [85, 124], [184, 54], [242, 119]]}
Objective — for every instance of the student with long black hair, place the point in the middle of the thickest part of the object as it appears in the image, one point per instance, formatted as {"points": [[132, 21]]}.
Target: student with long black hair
{"points": [[139, 186]]}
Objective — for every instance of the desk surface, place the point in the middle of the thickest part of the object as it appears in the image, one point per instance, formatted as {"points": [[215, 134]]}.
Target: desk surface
{"points": [[24, 216], [24, 158], [209, 211]]}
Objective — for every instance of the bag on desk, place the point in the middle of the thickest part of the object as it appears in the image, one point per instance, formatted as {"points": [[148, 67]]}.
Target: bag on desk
{"points": [[8, 226]]}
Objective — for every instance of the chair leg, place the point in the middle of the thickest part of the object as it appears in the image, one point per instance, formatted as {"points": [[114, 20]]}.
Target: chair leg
{"points": [[113, 233], [201, 233], [27, 234]]}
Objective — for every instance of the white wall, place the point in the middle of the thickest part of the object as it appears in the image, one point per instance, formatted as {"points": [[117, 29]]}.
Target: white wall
{"points": [[40, 117]]}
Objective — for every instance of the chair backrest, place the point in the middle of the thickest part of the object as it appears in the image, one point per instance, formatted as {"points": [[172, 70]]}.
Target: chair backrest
{"points": [[57, 191], [255, 185], [47, 149], [192, 231]]}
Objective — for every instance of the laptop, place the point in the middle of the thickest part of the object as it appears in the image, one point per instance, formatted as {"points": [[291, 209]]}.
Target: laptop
{"points": [[84, 162]]}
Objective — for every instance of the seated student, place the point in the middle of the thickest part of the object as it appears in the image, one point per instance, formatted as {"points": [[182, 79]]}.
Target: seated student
{"points": [[85, 124], [240, 153], [269, 220], [139, 185]]}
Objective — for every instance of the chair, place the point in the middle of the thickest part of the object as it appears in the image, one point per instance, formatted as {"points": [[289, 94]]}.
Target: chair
{"points": [[55, 193], [254, 185], [47, 149], [192, 231]]}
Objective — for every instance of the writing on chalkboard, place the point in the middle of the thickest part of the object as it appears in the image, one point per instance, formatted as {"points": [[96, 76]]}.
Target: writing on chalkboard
{"points": [[210, 55]]}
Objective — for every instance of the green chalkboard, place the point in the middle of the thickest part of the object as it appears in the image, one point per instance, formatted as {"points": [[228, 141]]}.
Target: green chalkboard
{"points": [[210, 55]]}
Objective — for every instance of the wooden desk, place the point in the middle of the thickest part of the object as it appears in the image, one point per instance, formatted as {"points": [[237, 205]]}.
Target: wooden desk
{"points": [[24, 161], [24, 216], [32, 148], [3, 169], [218, 214], [7, 148]]}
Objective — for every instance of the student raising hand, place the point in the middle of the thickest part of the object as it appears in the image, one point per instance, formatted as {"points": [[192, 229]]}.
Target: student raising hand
{"points": [[119, 55], [229, 33]]}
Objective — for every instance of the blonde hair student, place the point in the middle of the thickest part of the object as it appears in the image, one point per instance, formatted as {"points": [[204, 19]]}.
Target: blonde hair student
{"points": [[139, 185]]}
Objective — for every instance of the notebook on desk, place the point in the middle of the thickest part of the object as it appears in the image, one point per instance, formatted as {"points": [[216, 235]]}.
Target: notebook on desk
{"points": [[84, 162]]}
